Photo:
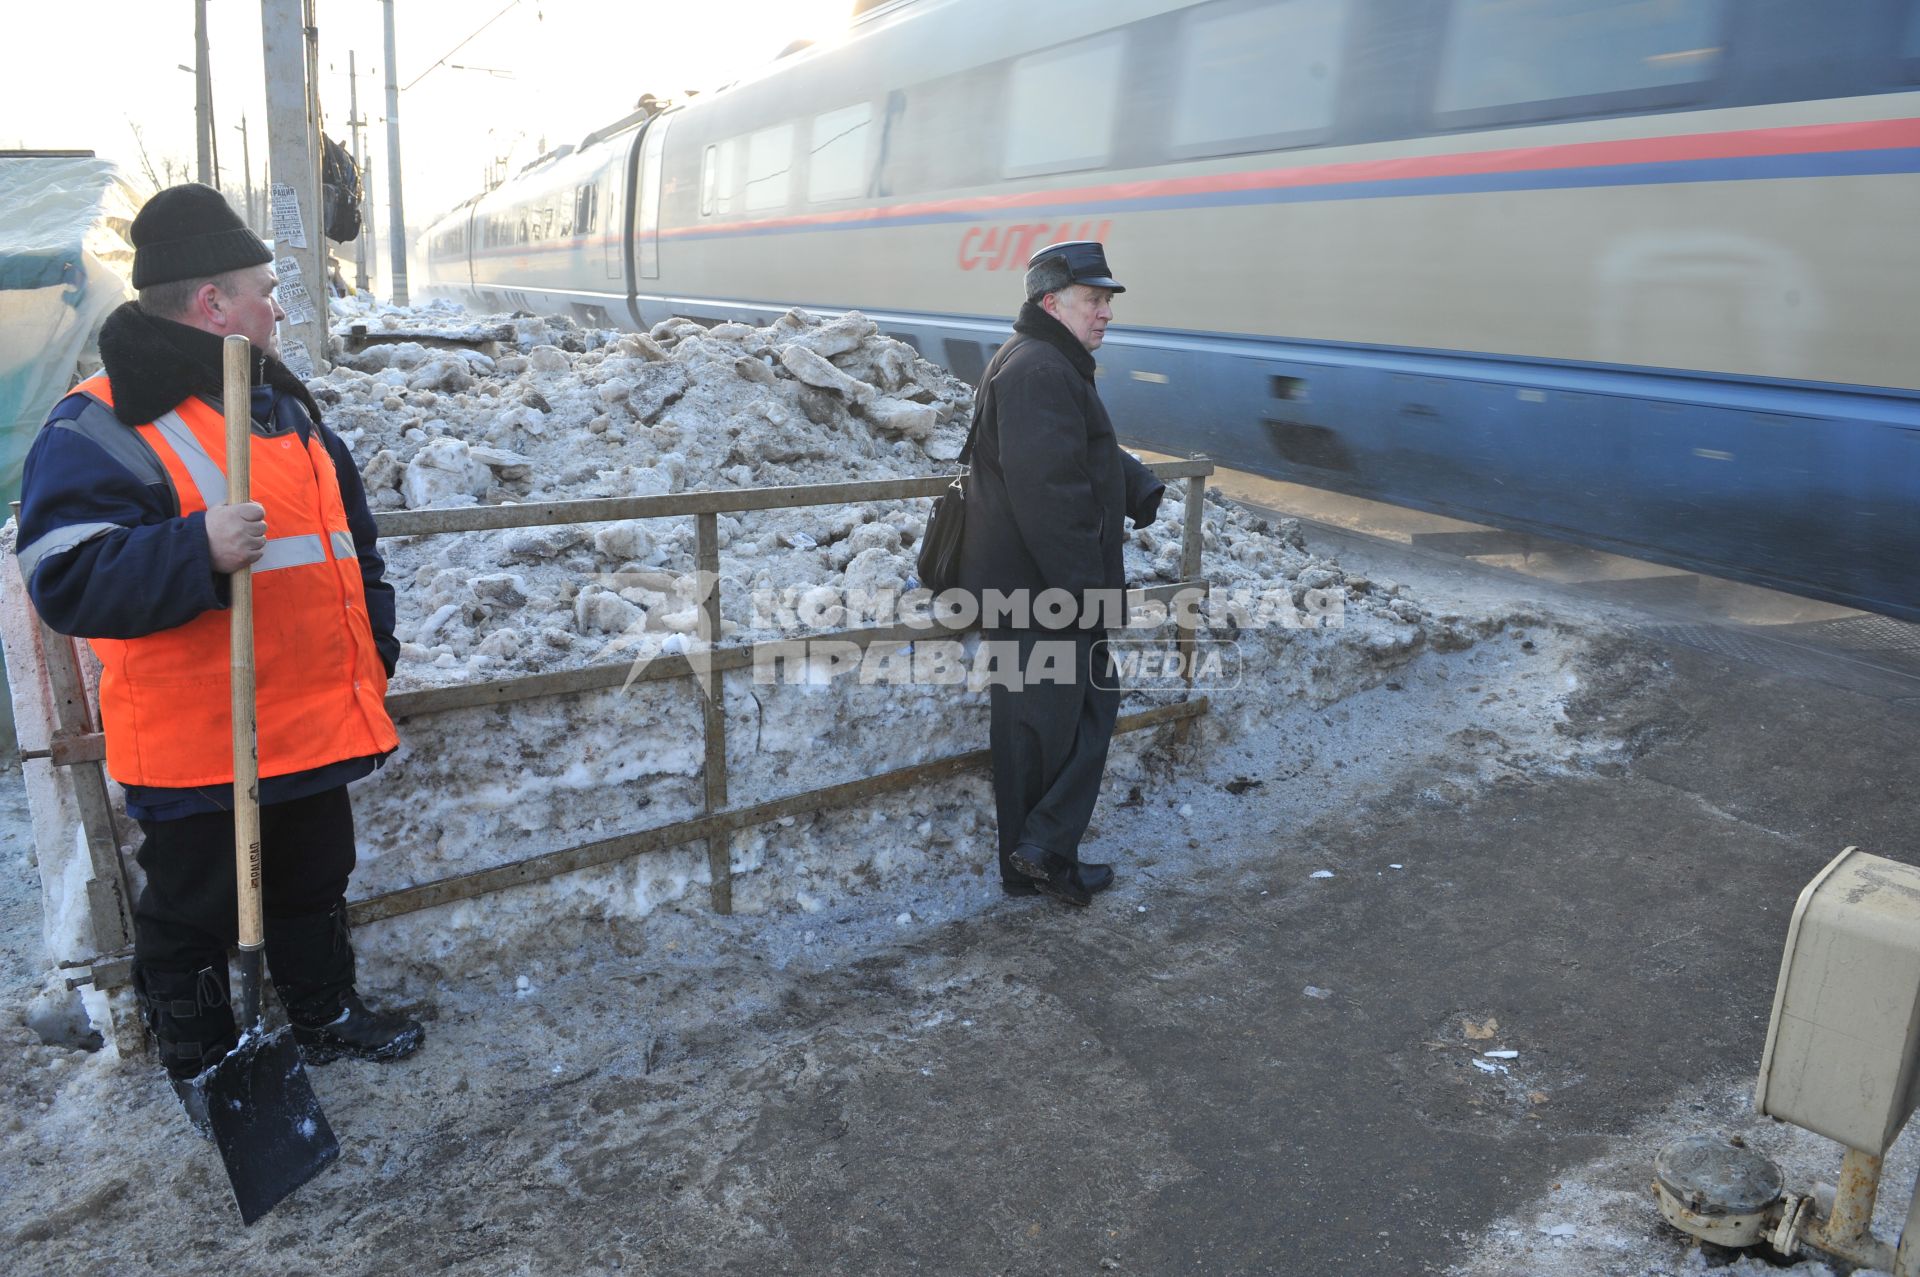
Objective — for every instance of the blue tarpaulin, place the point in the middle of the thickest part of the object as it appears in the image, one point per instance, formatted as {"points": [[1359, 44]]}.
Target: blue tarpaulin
{"points": [[64, 265]]}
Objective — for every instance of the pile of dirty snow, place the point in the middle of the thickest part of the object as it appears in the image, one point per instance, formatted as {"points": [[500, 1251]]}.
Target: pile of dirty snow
{"points": [[550, 411]]}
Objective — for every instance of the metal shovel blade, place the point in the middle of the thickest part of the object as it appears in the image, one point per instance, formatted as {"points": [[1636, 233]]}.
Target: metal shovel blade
{"points": [[266, 1121]]}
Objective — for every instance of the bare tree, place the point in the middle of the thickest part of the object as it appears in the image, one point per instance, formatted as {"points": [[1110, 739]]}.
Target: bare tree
{"points": [[145, 162]]}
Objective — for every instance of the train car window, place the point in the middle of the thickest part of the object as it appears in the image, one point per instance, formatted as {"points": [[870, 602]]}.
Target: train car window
{"points": [[1255, 74], [719, 194], [1910, 45], [1061, 104], [837, 153], [769, 167], [1505, 61]]}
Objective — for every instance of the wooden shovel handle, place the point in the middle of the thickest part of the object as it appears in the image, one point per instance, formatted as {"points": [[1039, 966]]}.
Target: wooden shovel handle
{"points": [[237, 396]]}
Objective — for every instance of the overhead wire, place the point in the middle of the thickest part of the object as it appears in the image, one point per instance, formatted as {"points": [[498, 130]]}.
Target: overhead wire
{"points": [[441, 60]]}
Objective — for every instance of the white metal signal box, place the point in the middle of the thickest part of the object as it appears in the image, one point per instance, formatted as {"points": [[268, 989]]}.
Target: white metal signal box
{"points": [[1842, 1050]]}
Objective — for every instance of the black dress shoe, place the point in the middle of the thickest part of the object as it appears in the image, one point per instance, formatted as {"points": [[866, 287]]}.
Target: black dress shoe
{"points": [[1095, 878], [1065, 886], [1052, 875]]}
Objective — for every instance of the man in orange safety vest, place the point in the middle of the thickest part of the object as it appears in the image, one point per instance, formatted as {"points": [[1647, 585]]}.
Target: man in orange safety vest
{"points": [[126, 539]]}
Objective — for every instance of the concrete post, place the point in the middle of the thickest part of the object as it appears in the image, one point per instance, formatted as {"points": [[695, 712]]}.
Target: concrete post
{"points": [[293, 165], [396, 213]]}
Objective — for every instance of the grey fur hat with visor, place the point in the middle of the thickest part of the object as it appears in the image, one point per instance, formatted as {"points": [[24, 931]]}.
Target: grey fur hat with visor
{"points": [[1073, 261]]}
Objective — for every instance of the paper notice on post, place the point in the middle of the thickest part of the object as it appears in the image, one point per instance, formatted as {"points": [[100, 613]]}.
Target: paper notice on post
{"points": [[293, 353], [288, 269], [296, 301], [288, 232]]}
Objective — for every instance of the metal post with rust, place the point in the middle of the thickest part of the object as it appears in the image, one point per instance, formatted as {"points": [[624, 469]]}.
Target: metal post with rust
{"points": [[1851, 1221], [713, 706]]}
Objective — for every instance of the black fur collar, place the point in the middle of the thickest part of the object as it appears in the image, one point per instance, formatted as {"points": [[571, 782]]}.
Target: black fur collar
{"points": [[153, 363], [1034, 321]]}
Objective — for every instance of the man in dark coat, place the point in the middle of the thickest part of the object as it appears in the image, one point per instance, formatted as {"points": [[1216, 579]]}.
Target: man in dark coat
{"points": [[1047, 500]]}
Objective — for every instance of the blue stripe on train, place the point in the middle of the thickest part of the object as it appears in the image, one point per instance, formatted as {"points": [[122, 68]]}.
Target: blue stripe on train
{"points": [[1735, 169]]}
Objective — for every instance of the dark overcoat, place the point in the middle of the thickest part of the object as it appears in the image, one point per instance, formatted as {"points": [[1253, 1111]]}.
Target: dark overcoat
{"points": [[1050, 486]]}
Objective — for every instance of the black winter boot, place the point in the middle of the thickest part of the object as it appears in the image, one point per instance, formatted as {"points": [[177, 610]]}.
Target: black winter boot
{"points": [[358, 1031], [311, 959], [192, 1024]]}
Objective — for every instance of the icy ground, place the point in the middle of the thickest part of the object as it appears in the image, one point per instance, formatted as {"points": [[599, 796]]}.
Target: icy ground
{"points": [[600, 1105]]}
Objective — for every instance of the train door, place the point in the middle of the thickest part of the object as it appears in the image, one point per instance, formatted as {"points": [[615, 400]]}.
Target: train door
{"points": [[647, 221]]}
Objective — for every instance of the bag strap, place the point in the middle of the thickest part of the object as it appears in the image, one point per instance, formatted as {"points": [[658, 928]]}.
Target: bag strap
{"points": [[973, 432]]}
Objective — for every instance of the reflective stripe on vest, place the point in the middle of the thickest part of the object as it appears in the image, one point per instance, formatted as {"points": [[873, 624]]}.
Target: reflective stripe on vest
{"points": [[281, 552], [207, 476], [291, 552]]}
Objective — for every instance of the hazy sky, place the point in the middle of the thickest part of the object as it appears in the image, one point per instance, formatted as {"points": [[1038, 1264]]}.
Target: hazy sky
{"points": [[84, 73]]}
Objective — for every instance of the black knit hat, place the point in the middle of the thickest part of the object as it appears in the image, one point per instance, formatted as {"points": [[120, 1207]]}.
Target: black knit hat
{"points": [[189, 232]]}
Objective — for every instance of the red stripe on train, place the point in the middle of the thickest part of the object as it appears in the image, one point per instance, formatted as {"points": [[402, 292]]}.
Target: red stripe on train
{"points": [[1807, 139]]}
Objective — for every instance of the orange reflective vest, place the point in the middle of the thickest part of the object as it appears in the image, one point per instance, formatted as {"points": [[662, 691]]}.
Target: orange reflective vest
{"points": [[164, 697]]}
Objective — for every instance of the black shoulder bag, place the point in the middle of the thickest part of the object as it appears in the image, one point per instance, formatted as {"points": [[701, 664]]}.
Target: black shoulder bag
{"points": [[938, 564]]}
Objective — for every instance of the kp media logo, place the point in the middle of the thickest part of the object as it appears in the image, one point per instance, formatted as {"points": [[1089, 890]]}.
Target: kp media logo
{"points": [[1137, 665]]}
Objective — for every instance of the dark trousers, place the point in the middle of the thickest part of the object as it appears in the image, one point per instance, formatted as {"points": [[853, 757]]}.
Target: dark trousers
{"points": [[1049, 742], [187, 916]]}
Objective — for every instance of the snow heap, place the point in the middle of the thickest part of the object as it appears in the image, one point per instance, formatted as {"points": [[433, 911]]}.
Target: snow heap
{"points": [[558, 412], [572, 413]]}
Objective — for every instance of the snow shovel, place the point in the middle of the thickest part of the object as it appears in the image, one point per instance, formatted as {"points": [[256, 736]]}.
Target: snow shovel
{"points": [[266, 1120]]}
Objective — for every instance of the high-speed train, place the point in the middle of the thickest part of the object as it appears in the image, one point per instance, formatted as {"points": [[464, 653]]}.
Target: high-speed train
{"points": [[1642, 274]]}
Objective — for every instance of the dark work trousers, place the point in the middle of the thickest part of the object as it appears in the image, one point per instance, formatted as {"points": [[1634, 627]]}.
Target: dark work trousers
{"points": [[188, 913], [1049, 743]]}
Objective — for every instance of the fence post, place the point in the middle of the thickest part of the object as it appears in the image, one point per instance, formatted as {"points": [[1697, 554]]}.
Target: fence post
{"points": [[714, 707], [1192, 542], [109, 902]]}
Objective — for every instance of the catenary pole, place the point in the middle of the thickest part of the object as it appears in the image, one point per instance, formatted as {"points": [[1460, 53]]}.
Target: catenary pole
{"points": [[360, 164], [317, 148], [246, 167], [396, 214], [293, 179], [202, 96]]}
